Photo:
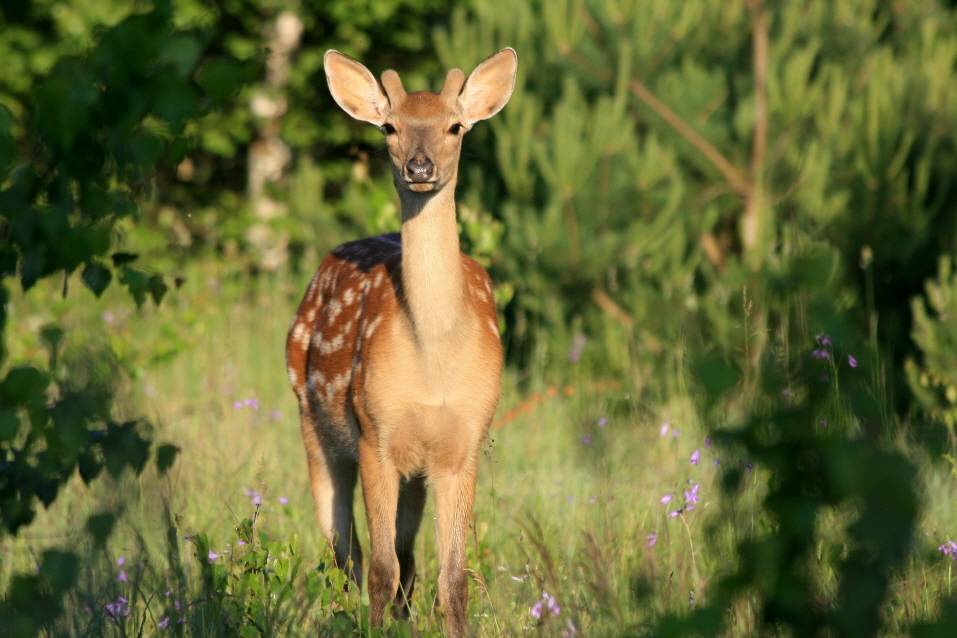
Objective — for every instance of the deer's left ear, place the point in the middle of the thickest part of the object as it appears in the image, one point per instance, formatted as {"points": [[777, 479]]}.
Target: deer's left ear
{"points": [[489, 86]]}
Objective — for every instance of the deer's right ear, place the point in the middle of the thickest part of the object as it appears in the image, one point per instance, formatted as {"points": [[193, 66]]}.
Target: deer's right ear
{"points": [[355, 89]]}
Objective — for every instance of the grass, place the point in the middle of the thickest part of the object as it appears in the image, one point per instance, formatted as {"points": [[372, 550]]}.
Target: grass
{"points": [[569, 502]]}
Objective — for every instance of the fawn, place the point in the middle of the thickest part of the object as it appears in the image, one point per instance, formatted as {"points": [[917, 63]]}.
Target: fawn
{"points": [[395, 354]]}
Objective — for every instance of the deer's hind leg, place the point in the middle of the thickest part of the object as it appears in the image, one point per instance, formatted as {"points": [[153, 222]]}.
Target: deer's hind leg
{"points": [[332, 478]]}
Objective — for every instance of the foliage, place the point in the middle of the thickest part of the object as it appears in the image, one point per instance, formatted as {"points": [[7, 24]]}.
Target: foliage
{"points": [[934, 380], [91, 135], [659, 156], [812, 423]]}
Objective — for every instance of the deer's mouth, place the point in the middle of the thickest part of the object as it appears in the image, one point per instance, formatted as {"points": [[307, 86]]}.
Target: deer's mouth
{"points": [[421, 187]]}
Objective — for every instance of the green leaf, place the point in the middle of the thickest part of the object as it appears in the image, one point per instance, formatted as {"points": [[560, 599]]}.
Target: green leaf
{"points": [[716, 374], [97, 277], [121, 259], [158, 288], [165, 457], [221, 78], [137, 282], [90, 466], [9, 424], [24, 386], [124, 447], [60, 570], [181, 53], [100, 526], [8, 149]]}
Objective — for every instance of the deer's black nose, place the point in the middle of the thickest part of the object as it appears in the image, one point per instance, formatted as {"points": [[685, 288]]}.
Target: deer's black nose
{"points": [[420, 168]]}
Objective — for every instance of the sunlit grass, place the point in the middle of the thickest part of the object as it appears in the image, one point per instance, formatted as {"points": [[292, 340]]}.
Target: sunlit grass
{"points": [[569, 514]]}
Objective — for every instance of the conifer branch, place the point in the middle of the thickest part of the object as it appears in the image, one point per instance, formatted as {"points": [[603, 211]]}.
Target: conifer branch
{"points": [[731, 173], [713, 155]]}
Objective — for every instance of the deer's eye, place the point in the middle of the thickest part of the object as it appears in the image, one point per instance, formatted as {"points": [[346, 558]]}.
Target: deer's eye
{"points": [[388, 129], [455, 129]]}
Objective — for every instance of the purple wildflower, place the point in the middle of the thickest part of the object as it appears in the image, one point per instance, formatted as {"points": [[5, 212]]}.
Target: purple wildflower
{"points": [[675, 514], [283, 500], [652, 539], [785, 393], [122, 577], [571, 631], [707, 442], [120, 561], [851, 361], [695, 456], [163, 623], [664, 429], [717, 462], [665, 499], [586, 439], [824, 340], [547, 603], [602, 422], [821, 353], [117, 610], [950, 549], [676, 433], [691, 496], [213, 555]]}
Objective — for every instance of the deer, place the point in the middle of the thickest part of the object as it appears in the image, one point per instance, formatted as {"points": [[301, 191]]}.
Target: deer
{"points": [[394, 354]]}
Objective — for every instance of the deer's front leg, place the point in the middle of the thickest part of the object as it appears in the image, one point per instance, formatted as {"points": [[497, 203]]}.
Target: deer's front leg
{"points": [[454, 495], [380, 491]]}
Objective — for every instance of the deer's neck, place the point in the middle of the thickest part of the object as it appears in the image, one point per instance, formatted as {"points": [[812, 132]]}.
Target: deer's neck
{"points": [[432, 277]]}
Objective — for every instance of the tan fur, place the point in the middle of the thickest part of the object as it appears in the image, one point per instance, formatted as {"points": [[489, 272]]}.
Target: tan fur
{"points": [[394, 354]]}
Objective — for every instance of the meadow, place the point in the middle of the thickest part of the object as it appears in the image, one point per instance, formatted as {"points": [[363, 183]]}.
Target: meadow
{"points": [[722, 237], [597, 514]]}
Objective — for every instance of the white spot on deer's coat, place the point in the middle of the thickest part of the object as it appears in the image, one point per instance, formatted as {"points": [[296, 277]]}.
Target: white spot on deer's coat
{"points": [[494, 326], [372, 325], [317, 379], [335, 307], [300, 335], [349, 296], [332, 345], [336, 386]]}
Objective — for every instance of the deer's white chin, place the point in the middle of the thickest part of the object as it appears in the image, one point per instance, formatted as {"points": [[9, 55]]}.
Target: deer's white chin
{"points": [[421, 187]]}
